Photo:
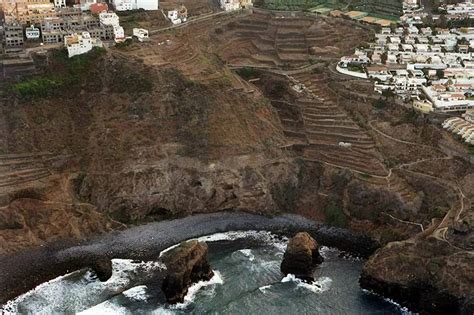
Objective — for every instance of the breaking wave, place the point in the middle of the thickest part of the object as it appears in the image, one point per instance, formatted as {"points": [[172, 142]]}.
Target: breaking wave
{"points": [[247, 280], [195, 288], [317, 286], [79, 290]]}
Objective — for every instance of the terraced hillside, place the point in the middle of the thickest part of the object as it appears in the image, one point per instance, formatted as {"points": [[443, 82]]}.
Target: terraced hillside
{"points": [[280, 40], [319, 129], [185, 53], [19, 171], [384, 7]]}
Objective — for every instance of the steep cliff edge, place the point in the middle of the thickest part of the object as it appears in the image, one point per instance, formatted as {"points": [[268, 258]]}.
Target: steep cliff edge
{"points": [[135, 144]]}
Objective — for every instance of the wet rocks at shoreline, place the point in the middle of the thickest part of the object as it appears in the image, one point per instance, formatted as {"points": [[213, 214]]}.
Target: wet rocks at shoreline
{"points": [[186, 264], [102, 266], [301, 257]]}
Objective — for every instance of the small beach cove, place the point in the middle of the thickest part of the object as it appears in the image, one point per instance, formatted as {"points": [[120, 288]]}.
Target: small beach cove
{"points": [[24, 271], [246, 279]]}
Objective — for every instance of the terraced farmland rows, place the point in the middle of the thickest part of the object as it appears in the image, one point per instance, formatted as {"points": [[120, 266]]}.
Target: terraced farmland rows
{"points": [[326, 126], [184, 53], [276, 40], [19, 169]]}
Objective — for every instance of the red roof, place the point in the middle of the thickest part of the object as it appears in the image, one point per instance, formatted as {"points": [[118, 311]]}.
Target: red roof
{"points": [[99, 7]]}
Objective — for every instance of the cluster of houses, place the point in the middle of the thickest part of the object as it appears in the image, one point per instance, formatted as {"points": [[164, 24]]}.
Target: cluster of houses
{"points": [[80, 27], [463, 128], [414, 14], [34, 11], [432, 67]]}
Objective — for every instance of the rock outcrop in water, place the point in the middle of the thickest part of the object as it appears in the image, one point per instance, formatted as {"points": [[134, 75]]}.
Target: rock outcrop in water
{"points": [[186, 264], [102, 267], [301, 256]]}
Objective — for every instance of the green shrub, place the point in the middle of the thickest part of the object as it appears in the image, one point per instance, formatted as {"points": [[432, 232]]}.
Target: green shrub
{"points": [[335, 216], [380, 103], [73, 69], [388, 93], [37, 87], [248, 73], [124, 44], [389, 235], [438, 212]]}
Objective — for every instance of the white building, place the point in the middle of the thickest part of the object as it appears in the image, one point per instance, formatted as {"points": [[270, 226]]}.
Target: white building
{"points": [[173, 16], [112, 19], [59, 3], [80, 44], [230, 5], [119, 34], [109, 18], [85, 5], [126, 5], [141, 34], [123, 5], [32, 32]]}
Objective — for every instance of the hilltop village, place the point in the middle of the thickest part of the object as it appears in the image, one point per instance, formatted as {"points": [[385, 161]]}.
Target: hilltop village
{"points": [[30, 26], [426, 60]]}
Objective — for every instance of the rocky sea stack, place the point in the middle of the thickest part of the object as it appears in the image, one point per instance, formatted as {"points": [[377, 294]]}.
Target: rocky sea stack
{"points": [[186, 264], [301, 257]]}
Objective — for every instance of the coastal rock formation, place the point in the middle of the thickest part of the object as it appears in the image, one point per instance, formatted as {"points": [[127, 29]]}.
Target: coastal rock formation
{"points": [[102, 266], [186, 264], [429, 276], [301, 256]]}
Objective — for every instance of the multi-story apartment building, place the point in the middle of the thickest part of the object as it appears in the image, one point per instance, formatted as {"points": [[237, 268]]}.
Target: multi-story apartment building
{"points": [[27, 11], [13, 35]]}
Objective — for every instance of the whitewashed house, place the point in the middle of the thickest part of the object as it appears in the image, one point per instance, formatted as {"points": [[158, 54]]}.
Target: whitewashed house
{"points": [[59, 3], [78, 44], [230, 5], [173, 17], [109, 18], [32, 32], [141, 34], [126, 5]]}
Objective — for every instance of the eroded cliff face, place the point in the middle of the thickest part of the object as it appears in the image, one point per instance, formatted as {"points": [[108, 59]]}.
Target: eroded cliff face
{"points": [[431, 276], [141, 144]]}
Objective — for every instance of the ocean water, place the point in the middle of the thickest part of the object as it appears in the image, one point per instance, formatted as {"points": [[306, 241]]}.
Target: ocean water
{"points": [[247, 280]]}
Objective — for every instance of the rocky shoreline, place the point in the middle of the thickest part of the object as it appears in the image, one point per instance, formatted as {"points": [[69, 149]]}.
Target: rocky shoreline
{"points": [[23, 271], [427, 276], [418, 296]]}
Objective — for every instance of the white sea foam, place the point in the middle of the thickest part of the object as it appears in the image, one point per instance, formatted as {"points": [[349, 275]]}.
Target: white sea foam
{"points": [[10, 307], [320, 285], [264, 288], [248, 253], [137, 293], [106, 308], [264, 236], [194, 289], [79, 290], [403, 310], [326, 251]]}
